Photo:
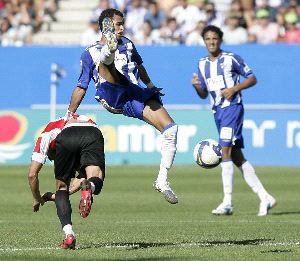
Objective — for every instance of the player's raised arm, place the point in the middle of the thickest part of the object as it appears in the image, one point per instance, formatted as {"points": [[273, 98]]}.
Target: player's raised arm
{"points": [[87, 66]]}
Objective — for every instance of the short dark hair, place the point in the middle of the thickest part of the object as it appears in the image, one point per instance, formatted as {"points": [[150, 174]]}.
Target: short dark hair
{"points": [[110, 12], [212, 28]]}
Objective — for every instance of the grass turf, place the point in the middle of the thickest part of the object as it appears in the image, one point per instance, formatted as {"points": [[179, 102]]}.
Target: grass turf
{"points": [[130, 221]]}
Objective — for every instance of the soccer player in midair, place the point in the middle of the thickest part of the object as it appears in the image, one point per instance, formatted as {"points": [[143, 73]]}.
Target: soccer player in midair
{"points": [[116, 67]]}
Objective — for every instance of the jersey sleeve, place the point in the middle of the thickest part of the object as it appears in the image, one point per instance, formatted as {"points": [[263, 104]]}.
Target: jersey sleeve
{"points": [[39, 154], [86, 70], [241, 67], [41, 147], [46, 139]]}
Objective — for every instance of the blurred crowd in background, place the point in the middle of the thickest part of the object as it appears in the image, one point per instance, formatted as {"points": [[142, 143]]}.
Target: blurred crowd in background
{"points": [[20, 19], [162, 22]]}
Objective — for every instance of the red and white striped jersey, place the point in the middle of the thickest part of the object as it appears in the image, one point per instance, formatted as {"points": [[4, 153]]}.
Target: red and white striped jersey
{"points": [[46, 143]]}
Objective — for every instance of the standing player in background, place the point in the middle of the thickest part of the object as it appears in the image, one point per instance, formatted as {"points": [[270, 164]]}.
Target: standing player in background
{"points": [[116, 68], [73, 145], [219, 74]]}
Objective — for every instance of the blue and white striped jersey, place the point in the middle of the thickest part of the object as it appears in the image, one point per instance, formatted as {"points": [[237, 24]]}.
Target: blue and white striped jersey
{"points": [[222, 73], [127, 60]]}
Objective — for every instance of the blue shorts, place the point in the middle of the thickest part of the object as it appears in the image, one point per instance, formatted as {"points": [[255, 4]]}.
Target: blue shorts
{"points": [[125, 99], [229, 121]]}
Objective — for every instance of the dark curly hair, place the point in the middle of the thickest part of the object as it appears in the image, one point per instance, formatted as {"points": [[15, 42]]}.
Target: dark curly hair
{"points": [[110, 12], [212, 28]]}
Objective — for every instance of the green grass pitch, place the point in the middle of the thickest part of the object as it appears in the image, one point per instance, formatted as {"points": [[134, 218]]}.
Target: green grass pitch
{"points": [[131, 221]]}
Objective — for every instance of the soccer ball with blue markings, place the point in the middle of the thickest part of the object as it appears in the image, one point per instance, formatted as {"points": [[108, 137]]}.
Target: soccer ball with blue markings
{"points": [[208, 153]]}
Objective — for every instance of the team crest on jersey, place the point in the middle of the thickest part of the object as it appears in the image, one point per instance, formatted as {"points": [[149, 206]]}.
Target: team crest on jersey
{"points": [[246, 68], [225, 66]]}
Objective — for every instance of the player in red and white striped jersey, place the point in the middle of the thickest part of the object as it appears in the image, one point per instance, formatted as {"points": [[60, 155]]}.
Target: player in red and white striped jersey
{"points": [[46, 142], [74, 144]]}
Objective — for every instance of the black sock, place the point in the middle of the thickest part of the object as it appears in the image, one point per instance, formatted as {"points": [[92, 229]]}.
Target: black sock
{"points": [[98, 184], [63, 207]]}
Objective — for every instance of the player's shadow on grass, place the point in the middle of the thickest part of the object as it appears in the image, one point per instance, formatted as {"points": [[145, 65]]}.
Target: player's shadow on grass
{"points": [[143, 245], [246, 242], [285, 213]]}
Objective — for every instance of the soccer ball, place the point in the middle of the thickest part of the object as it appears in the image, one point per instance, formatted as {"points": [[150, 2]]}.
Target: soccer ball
{"points": [[208, 153]]}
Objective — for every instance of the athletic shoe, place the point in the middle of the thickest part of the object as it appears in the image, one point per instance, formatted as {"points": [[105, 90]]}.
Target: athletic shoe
{"points": [[166, 190], [108, 31], [69, 242], [266, 205], [48, 196], [223, 209], [86, 201]]}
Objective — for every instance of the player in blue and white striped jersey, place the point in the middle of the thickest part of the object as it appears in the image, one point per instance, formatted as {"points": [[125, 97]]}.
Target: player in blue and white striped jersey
{"points": [[116, 67], [219, 75]]}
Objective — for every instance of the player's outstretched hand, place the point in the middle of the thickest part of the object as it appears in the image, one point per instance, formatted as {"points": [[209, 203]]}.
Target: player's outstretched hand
{"points": [[195, 79], [68, 115], [36, 204]]}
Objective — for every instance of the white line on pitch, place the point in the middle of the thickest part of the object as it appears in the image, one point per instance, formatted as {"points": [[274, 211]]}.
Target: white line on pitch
{"points": [[133, 246], [27, 249]]}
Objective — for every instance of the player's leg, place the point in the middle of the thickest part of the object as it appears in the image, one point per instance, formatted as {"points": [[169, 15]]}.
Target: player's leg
{"points": [[156, 115], [225, 123], [92, 160], [266, 200], [225, 208], [95, 175], [90, 186], [75, 186], [65, 165], [64, 212]]}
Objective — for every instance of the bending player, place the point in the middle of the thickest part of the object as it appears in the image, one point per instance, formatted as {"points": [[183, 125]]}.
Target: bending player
{"points": [[76, 144]]}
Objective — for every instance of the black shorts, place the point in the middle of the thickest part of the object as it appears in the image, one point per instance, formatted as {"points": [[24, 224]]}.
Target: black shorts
{"points": [[76, 148]]}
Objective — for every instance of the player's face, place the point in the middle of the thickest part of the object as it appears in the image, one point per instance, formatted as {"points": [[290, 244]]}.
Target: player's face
{"points": [[212, 42], [119, 26]]}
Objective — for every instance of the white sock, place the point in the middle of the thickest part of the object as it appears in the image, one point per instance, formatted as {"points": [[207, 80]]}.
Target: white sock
{"points": [[227, 178], [92, 187], [163, 174], [106, 56], [68, 230], [252, 180], [168, 151]]}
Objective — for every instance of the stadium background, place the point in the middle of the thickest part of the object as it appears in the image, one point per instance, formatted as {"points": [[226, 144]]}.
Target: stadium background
{"points": [[272, 125], [136, 223]]}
